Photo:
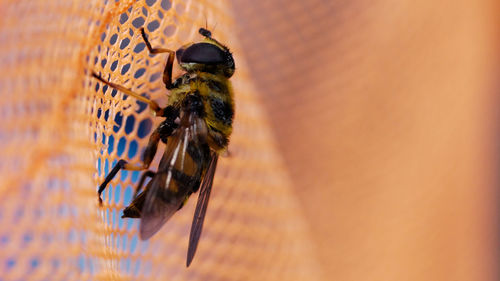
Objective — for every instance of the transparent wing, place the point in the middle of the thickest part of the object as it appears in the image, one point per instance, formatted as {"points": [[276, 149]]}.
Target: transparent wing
{"points": [[179, 174], [201, 208], [158, 208]]}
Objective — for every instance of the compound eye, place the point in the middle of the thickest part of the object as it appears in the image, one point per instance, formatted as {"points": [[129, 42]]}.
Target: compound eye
{"points": [[204, 53], [178, 54]]}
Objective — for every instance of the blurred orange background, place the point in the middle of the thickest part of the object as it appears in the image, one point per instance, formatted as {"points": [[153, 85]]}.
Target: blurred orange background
{"points": [[365, 143], [386, 113]]}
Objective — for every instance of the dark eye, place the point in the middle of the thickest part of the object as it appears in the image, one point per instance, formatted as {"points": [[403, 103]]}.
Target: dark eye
{"points": [[202, 53]]}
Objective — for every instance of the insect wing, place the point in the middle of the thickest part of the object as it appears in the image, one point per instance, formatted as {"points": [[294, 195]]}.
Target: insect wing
{"points": [[157, 210], [178, 175], [201, 208]]}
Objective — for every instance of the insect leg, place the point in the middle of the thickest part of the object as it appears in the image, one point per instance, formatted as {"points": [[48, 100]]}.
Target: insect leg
{"points": [[167, 72], [152, 104], [149, 154], [150, 151], [122, 164], [147, 174]]}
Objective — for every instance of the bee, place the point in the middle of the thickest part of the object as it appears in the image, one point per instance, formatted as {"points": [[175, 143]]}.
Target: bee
{"points": [[196, 129]]}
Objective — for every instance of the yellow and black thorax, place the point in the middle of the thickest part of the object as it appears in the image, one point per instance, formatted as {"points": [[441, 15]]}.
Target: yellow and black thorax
{"points": [[216, 94]]}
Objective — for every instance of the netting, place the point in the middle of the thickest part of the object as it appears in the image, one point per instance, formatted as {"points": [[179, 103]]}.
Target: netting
{"points": [[65, 132], [381, 111]]}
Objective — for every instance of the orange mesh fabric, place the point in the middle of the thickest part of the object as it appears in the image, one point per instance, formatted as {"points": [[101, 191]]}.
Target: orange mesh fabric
{"points": [[382, 112], [65, 131]]}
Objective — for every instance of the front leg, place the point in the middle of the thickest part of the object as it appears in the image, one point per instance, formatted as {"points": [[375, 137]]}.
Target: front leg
{"points": [[167, 72]]}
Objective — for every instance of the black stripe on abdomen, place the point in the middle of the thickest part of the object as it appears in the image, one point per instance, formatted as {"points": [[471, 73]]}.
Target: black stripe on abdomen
{"points": [[185, 182]]}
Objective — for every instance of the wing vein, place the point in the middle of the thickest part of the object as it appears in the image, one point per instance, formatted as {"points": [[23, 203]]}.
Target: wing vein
{"points": [[201, 208]]}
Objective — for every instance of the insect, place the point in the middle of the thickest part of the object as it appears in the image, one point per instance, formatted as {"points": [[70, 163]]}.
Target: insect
{"points": [[196, 129]]}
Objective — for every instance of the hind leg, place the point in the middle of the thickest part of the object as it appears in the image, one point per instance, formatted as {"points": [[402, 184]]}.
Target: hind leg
{"points": [[147, 174], [134, 209]]}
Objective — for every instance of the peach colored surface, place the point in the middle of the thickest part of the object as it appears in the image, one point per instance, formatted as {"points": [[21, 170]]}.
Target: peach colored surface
{"points": [[364, 147], [386, 115]]}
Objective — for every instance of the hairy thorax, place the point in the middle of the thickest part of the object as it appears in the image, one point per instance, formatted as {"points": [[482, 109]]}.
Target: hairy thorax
{"points": [[218, 106]]}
